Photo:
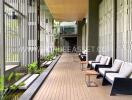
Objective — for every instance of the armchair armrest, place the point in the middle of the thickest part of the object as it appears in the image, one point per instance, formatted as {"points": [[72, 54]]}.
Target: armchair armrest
{"points": [[110, 72], [122, 86], [105, 81], [101, 66], [91, 64], [95, 62], [105, 66]]}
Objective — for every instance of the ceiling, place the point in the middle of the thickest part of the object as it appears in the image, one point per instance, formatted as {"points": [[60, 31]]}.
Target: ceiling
{"points": [[67, 10]]}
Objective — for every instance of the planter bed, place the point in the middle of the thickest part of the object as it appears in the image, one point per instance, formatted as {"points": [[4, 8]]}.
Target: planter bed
{"points": [[29, 81], [42, 65], [30, 92], [47, 63]]}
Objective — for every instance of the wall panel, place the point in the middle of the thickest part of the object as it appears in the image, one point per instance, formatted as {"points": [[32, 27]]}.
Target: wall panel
{"points": [[106, 31], [123, 30]]}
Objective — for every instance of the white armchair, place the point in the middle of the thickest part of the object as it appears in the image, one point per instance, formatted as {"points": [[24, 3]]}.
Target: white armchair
{"points": [[116, 66], [103, 61], [98, 58], [124, 72]]}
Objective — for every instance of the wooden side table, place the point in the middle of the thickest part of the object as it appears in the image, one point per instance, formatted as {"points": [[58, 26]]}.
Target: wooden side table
{"points": [[89, 73], [82, 63]]}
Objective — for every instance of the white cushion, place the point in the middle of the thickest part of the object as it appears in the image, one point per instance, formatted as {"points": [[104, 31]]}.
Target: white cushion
{"points": [[94, 64], [126, 69], [130, 76], [90, 62], [111, 76], [103, 60], [98, 58], [102, 70], [108, 60], [116, 65]]}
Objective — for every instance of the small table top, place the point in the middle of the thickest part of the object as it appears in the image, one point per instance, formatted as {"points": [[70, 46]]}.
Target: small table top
{"points": [[90, 72], [83, 62]]}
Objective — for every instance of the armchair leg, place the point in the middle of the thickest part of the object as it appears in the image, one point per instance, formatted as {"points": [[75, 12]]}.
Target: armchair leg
{"points": [[105, 82], [99, 76], [112, 93], [88, 66]]}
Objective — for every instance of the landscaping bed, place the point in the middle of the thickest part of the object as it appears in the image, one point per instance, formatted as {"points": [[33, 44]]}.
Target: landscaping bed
{"points": [[26, 85], [30, 92]]}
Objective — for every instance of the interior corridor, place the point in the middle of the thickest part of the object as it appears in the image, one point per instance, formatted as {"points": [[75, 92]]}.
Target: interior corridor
{"points": [[66, 82]]}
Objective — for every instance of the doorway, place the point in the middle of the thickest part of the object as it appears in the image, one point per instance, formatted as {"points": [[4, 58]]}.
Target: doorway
{"points": [[70, 44]]}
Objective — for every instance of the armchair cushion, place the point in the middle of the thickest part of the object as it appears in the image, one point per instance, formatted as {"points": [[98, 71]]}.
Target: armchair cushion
{"points": [[111, 76], [116, 66], [124, 72], [108, 60], [126, 69], [90, 62], [94, 64], [130, 76], [98, 58], [103, 60], [102, 70]]}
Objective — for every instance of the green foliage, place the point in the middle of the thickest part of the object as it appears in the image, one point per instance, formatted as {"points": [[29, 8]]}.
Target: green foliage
{"points": [[17, 76], [1, 83], [57, 51], [10, 77], [39, 70], [11, 89], [49, 57], [32, 67]]}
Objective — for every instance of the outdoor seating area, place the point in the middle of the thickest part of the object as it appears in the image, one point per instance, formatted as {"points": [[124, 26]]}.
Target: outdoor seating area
{"points": [[112, 74], [67, 82]]}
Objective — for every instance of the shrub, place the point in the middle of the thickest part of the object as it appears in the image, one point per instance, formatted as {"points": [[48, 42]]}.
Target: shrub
{"points": [[49, 57], [32, 67]]}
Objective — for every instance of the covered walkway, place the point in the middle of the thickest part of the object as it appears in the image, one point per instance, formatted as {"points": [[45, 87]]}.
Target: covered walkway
{"points": [[66, 82]]}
